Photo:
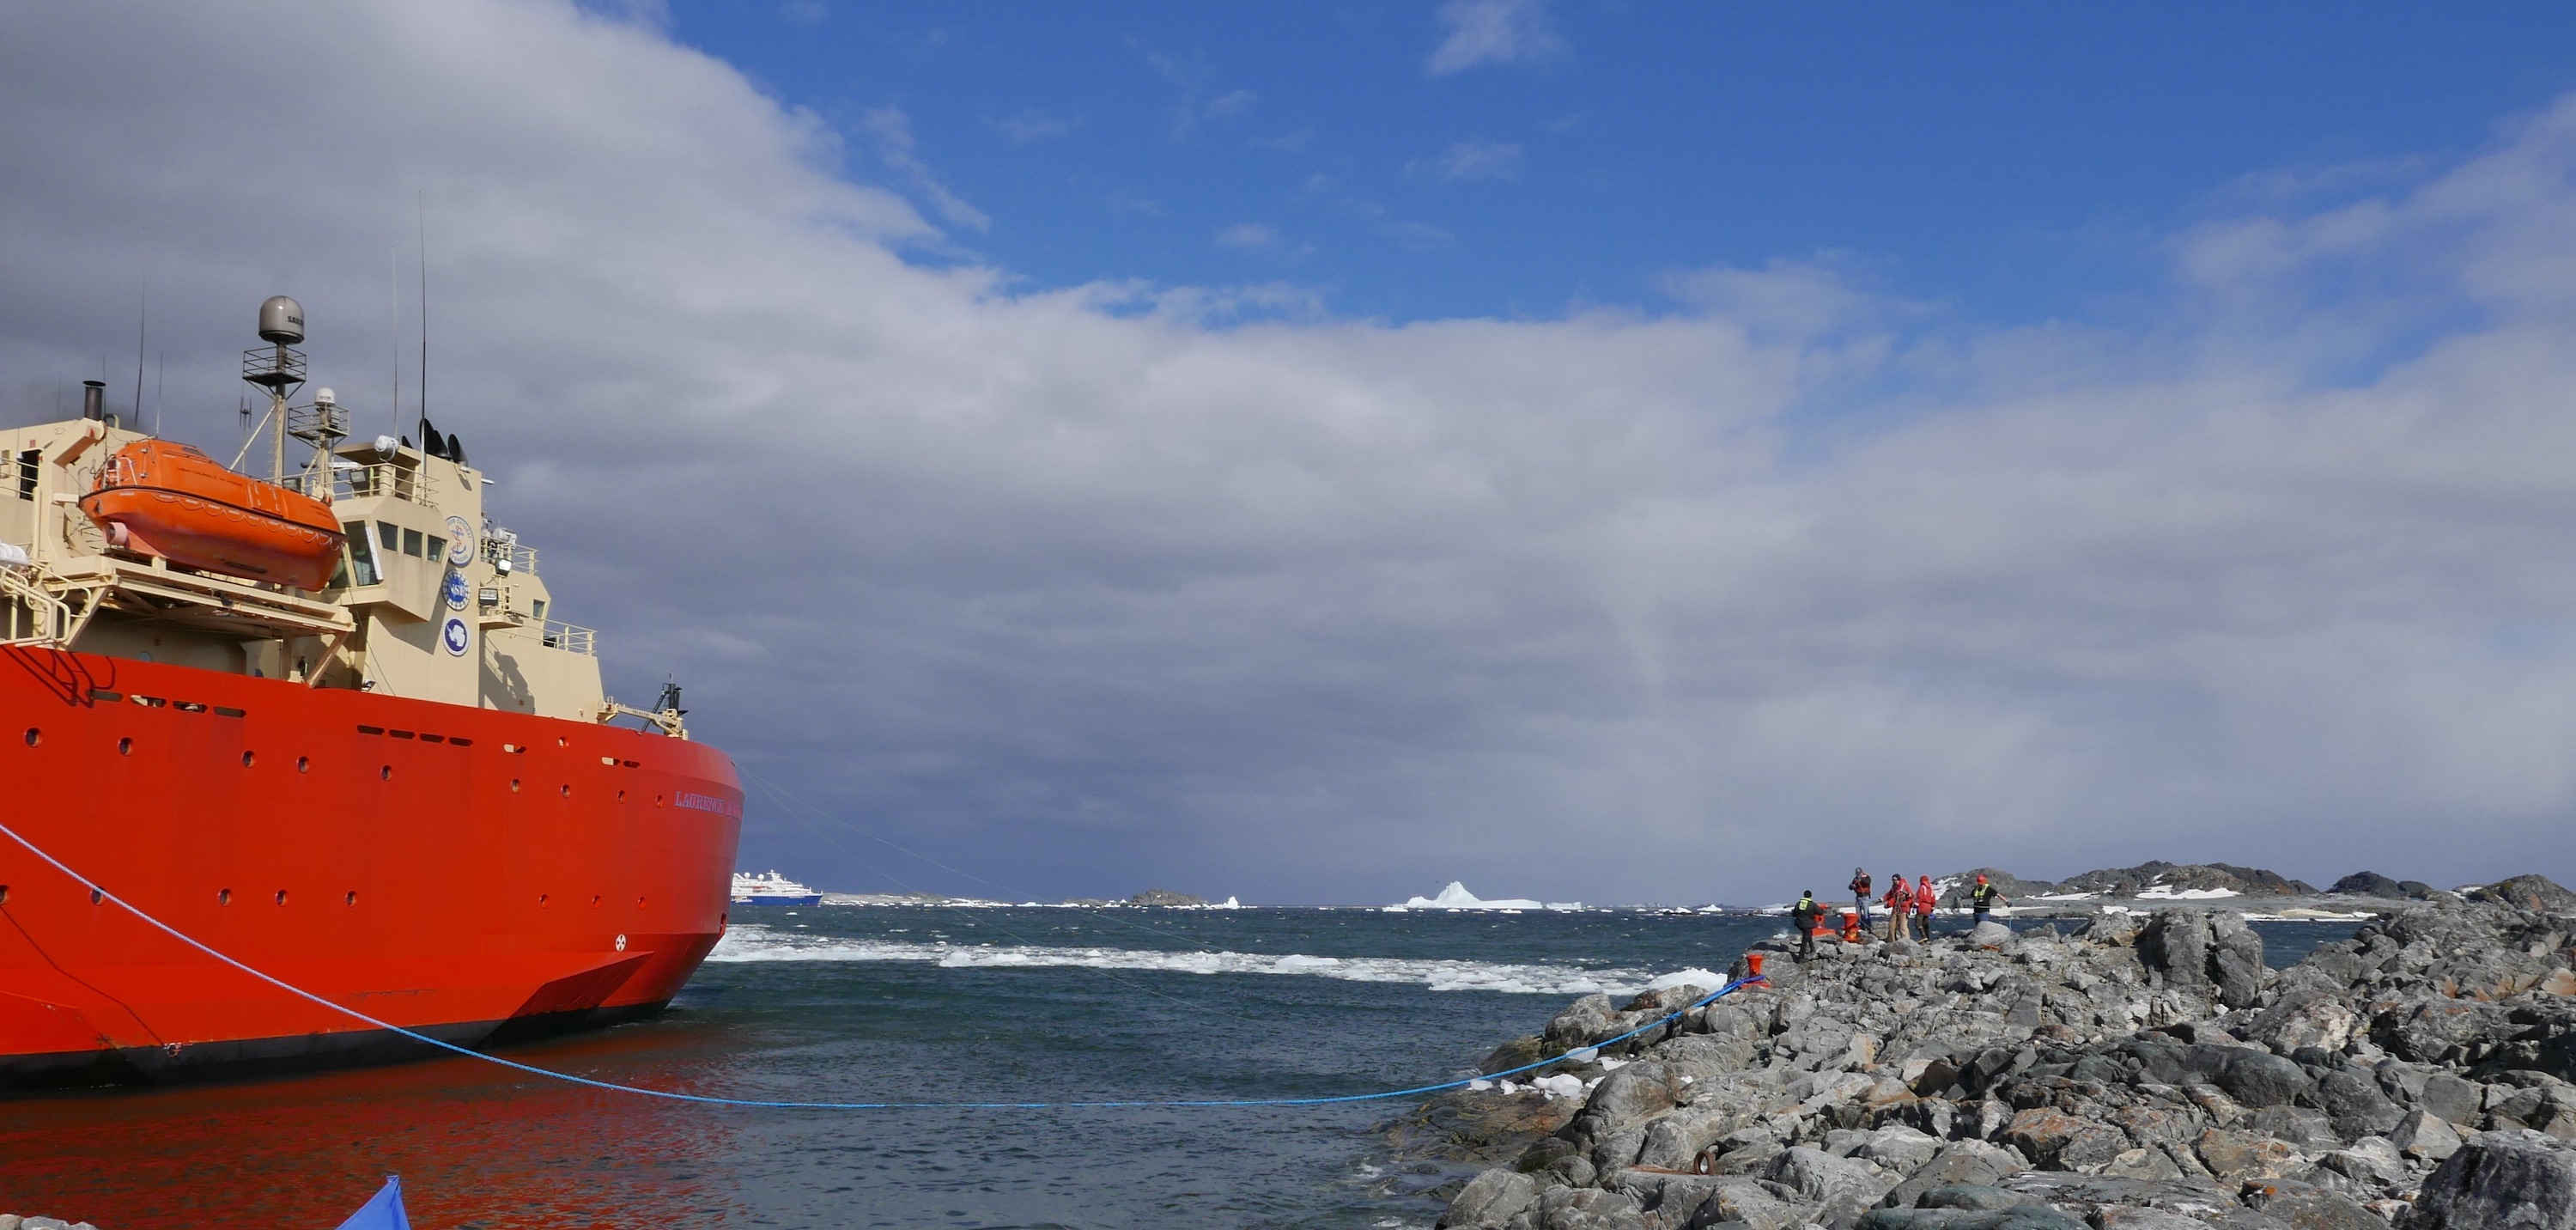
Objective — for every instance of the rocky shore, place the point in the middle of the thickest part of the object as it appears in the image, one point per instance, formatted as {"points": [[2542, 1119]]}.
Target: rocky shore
{"points": [[12, 1221], [2138, 1072]]}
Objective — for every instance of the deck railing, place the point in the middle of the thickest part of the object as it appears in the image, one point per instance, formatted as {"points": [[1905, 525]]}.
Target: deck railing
{"points": [[383, 478]]}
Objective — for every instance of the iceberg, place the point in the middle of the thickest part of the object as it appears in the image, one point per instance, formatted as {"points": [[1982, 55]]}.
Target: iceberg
{"points": [[1456, 897]]}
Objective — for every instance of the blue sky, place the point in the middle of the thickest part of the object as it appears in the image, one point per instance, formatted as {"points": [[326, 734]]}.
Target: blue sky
{"points": [[1315, 452], [2011, 161]]}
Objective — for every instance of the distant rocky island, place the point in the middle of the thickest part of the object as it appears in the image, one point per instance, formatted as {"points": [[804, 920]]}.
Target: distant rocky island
{"points": [[2134, 1071], [2256, 891]]}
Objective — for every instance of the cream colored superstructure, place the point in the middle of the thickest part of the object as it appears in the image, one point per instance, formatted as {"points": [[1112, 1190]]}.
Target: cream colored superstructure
{"points": [[430, 601]]}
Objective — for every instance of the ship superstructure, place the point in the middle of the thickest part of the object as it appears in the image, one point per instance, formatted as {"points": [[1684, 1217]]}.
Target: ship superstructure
{"points": [[325, 721], [771, 888]]}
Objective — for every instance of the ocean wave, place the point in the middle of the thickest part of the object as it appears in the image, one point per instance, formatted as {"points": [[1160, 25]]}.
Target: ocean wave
{"points": [[757, 943]]}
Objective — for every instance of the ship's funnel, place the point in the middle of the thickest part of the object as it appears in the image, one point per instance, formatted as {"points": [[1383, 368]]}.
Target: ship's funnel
{"points": [[93, 399], [281, 320]]}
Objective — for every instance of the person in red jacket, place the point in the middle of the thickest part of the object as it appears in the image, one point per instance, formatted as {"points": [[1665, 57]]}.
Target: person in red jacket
{"points": [[1900, 906], [1924, 900]]}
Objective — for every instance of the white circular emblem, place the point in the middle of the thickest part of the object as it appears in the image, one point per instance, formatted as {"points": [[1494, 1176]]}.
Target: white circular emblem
{"points": [[455, 637], [460, 541], [454, 589], [621, 943]]}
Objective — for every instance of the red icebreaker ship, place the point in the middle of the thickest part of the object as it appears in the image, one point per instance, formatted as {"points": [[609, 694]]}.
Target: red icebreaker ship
{"points": [[321, 723]]}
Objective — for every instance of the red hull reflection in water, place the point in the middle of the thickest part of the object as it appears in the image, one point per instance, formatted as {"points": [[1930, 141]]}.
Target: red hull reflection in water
{"points": [[476, 1146]]}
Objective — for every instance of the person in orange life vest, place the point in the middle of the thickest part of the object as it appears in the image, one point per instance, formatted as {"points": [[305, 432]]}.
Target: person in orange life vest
{"points": [[1924, 900], [1900, 906], [1804, 916], [1860, 893], [1852, 934]]}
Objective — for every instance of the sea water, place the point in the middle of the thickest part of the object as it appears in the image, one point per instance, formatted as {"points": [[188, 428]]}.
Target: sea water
{"points": [[912, 1004]]}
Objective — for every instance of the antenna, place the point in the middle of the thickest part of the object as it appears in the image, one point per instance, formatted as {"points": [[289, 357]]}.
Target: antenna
{"points": [[160, 382], [393, 299], [142, 317], [420, 202]]}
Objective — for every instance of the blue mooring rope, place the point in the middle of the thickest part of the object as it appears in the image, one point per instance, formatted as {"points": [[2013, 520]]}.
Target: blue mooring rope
{"points": [[765, 1104]]}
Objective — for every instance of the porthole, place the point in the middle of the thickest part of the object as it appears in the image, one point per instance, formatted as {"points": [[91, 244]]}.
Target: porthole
{"points": [[302, 764], [351, 899], [639, 903], [567, 790], [4, 894], [96, 896], [386, 773], [621, 796], [594, 901], [657, 800], [563, 742], [34, 736], [281, 896], [125, 747], [541, 898], [247, 758], [514, 785], [223, 896]]}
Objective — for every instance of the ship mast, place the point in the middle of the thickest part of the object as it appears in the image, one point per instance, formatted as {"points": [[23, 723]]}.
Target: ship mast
{"points": [[279, 368]]}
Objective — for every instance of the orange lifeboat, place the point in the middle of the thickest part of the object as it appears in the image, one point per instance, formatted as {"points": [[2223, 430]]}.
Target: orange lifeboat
{"points": [[159, 498]]}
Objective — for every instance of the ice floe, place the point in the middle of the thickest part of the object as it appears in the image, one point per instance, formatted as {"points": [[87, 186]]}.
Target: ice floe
{"points": [[1456, 897]]}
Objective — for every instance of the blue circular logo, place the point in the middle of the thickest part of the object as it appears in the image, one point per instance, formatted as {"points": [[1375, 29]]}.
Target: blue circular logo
{"points": [[455, 591], [457, 639]]}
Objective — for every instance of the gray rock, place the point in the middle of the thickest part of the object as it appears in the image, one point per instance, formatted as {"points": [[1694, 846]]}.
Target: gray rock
{"points": [[2527, 892], [1821, 1177], [2425, 1136], [2135, 1217], [1972, 1196], [1899, 1148], [2452, 1098], [2235, 959], [1490, 1201], [2258, 1078], [1749, 1203], [1589, 1208], [1990, 935], [2016, 1217], [2519, 1179], [2355, 1105], [2372, 1160], [1961, 1163], [2312, 1209], [2089, 1194]]}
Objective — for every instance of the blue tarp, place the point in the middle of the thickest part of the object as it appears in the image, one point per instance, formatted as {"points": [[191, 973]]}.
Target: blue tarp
{"points": [[384, 1212]]}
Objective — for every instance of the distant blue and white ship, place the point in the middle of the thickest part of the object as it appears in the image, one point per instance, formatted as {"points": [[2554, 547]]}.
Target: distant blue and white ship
{"points": [[771, 888]]}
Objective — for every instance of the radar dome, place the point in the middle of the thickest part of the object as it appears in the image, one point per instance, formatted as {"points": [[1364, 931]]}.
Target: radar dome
{"points": [[281, 320]]}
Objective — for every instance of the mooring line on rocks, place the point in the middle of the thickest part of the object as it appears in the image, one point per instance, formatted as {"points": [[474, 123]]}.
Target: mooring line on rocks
{"points": [[767, 1104]]}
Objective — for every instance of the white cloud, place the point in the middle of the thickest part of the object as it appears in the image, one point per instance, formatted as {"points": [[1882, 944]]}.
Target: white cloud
{"points": [[1031, 125], [1248, 235], [1493, 32], [1119, 584], [1231, 102], [1473, 158], [892, 130]]}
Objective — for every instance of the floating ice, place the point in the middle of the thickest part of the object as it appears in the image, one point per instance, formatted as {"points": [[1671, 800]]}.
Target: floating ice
{"points": [[1560, 1085], [2167, 892], [1456, 897]]}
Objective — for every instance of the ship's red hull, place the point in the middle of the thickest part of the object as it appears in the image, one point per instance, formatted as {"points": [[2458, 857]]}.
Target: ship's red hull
{"points": [[472, 874]]}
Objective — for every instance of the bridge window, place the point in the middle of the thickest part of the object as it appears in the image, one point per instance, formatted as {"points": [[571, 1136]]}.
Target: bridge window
{"points": [[362, 557], [27, 471], [390, 535], [411, 543]]}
